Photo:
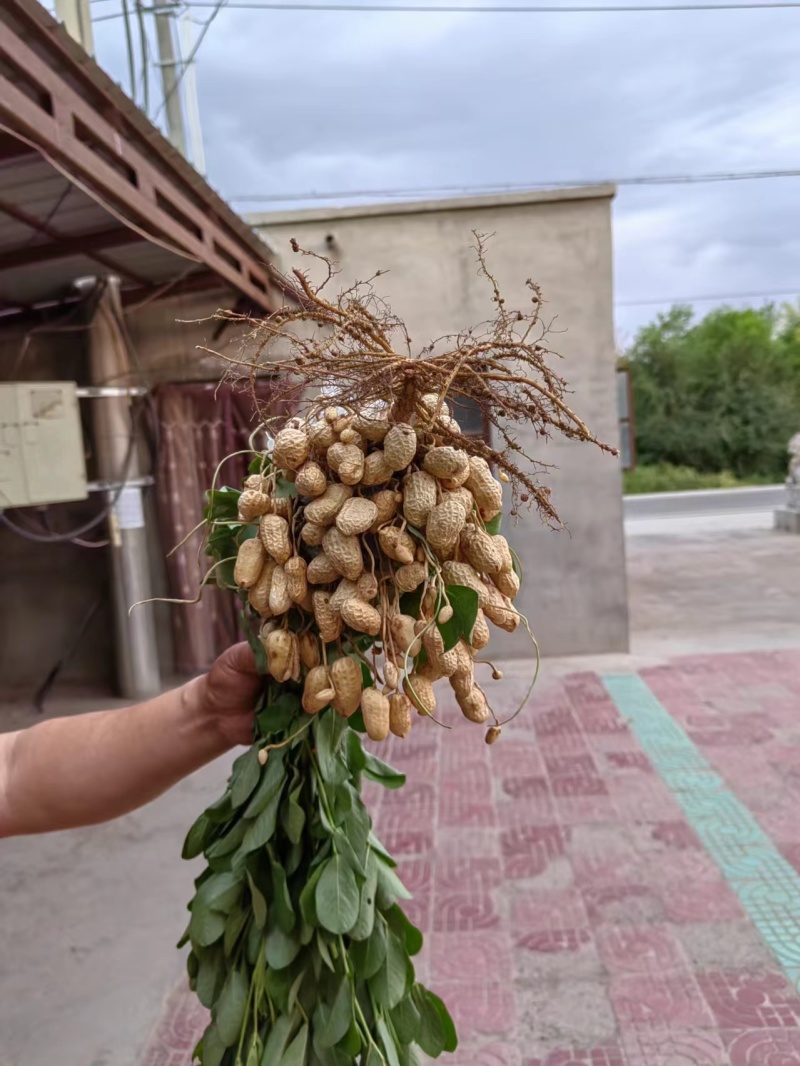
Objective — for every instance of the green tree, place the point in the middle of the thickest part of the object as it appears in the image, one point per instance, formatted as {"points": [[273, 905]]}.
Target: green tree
{"points": [[720, 394]]}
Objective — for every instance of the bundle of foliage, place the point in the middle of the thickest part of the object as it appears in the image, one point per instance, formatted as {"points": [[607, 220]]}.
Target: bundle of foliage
{"points": [[721, 394]]}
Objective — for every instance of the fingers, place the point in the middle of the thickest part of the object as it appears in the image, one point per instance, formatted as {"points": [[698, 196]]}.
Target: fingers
{"points": [[239, 658]]}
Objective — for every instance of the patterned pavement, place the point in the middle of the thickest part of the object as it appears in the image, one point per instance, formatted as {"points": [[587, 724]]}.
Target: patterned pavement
{"points": [[615, 882]]}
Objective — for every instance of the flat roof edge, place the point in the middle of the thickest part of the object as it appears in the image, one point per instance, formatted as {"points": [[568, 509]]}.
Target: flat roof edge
{"points": [[605, 191]]}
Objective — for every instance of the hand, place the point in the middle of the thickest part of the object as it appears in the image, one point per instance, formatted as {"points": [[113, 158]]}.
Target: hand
{"points": [[227, 694]]}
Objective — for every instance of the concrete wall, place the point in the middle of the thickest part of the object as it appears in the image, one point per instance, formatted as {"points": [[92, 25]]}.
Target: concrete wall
{"points": [[574, 586]]}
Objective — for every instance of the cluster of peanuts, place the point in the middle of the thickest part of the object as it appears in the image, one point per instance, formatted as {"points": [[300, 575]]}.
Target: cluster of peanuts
{"points": [[381, 508]]}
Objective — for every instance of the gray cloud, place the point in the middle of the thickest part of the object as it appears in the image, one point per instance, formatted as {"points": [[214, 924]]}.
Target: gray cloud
{"points": [[340, 101]]}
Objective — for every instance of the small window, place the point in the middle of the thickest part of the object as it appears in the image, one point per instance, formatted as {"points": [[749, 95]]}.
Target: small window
{"points": [[470, 417]]}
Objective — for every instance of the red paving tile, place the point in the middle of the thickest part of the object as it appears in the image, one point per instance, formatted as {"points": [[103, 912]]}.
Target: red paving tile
{"points": [[559, 885]]}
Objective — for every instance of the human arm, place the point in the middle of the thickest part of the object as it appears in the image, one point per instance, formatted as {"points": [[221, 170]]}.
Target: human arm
{"points": [[70, 772]]}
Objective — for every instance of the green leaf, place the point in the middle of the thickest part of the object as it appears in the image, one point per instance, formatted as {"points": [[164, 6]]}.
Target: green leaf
{"points": [[344, 846], [222, 503], [308, 909], [377, 770], [210, 977], [237, 920], [293, 817], [262, 829], [408, 933], [335, 1020], [213, 1047], [366, 910], [337, 896], [281, 949], [277, 1041], [220, 891], [411, 602], [246, 772], [284, 489], [390, 887], [230, 841], [256, 647], [356, 758], [369, 955], [259, 464], [282, 901], [272, 781], [436, 1031], [405, 1020], [294, 991], [295, 1054], [206, 926], [258, 903], [278, 715], [324, 951], [494, 524], [198, 837], [380, 850], [389, 1045], [230, 1009], [356, 722], [220, 811], [464, 602], [516, 564], [329, 728], [391, 982]]}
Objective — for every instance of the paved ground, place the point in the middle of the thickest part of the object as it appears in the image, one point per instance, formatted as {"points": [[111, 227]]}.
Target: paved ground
{"points": [[613, 884]]}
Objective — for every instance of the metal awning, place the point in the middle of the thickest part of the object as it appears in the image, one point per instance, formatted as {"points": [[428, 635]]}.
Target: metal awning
{"points": [[89, 185]]}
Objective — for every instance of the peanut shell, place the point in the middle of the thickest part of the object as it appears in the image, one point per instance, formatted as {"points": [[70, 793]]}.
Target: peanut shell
{"points": [[318, 690], [410, 577], [419, 497], [400, 714], [397, 544], [377, 470], [346, 678], [311, 479], [322, 570], [444, 526], [356, 516], [375, 710], [328, 622], [280, 599], [325, 508], [387, 501], [250, 561], [258, 596], [480, 550], [252, 504], [274, 533], [420, 692], [312, 534], [309, 650], [507, 582], [447, 462], [400, 446], [296, 577], [292, 447], [360, 616], [344, 552]]}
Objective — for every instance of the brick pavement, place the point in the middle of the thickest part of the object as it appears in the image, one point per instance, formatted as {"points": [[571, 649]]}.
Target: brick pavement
{"points": [[573, 914]]}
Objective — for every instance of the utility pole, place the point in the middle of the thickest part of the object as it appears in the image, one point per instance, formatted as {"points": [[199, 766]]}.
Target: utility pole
{"points": [[170, 75], [77, 21]]}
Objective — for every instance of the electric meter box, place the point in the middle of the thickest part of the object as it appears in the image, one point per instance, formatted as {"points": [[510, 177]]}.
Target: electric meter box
{"points": [[42, 458]]}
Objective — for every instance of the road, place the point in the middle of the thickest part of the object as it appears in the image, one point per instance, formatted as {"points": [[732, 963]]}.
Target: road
{"points": [[716, 510]]}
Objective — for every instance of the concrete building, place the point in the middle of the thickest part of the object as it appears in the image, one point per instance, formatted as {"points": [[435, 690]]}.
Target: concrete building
{"points": [[574, 589]]}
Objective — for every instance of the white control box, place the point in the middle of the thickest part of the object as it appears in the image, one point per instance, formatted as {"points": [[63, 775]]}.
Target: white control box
{"points": [[42, 457]]}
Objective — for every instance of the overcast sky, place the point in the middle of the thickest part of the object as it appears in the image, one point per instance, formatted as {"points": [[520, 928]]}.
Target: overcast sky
{"points": [[337, 101]]}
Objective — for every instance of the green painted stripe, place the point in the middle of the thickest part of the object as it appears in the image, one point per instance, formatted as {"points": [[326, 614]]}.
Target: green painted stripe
{"points": [[767, 886]]}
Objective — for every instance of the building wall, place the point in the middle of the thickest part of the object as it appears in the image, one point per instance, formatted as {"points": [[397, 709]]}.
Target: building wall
{"points": [[574, 589], [47, 589]]}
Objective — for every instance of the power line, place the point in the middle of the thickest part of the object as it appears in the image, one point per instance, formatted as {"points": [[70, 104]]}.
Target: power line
{"points": [[433, 9], [503, 187], [708, 298]]}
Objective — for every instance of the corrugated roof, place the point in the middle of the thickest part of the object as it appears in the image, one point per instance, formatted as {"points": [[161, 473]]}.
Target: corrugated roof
{"points": [[88, 185]]}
